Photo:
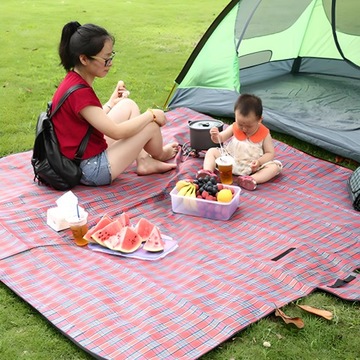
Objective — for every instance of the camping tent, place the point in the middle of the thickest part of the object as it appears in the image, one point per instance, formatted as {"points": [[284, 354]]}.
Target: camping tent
{"points": [[301, 57]]}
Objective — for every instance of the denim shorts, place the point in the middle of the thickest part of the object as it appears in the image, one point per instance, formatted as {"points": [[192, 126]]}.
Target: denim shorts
{"points": [[96, 170]]}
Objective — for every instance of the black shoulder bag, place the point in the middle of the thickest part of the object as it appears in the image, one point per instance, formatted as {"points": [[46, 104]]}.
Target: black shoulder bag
{"points": [[354, 188], [51, 168]]}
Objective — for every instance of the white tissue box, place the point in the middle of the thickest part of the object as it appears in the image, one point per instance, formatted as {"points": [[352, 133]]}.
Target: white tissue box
{"points": [[56, 219]]}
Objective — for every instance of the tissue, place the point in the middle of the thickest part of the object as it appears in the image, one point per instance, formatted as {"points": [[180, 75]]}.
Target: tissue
{"points": [[67, 206]]}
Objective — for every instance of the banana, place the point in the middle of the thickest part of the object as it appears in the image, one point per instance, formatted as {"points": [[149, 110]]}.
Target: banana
{"points": [[188, 191], [189, 201], [181, 183], [184, 190], [192, 192], [192, 202]]}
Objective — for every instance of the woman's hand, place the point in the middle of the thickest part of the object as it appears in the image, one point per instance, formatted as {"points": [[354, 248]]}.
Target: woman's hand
{"points": [[118, 94], [122, 92], [160, 117]]}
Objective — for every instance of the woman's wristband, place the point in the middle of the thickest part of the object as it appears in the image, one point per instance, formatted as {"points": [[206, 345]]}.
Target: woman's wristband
{"points": [[153, 115], [108, 106]]}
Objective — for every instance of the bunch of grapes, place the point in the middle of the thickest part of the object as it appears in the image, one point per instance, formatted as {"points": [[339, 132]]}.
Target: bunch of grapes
{"points": [[207, 187]]}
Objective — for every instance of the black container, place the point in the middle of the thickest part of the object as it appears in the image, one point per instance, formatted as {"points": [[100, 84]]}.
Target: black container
{"points": [[200, 133]]}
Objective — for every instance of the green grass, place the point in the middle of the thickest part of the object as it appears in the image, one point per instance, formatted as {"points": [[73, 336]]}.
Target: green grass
{"points": [[154, 39]]}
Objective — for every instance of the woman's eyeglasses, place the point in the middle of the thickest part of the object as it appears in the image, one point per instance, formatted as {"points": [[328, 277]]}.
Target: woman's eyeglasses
{"points": [[107, 61]]}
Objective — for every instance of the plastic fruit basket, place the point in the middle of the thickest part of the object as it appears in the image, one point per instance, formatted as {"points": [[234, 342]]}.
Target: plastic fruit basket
{"points": [[205, 208]]}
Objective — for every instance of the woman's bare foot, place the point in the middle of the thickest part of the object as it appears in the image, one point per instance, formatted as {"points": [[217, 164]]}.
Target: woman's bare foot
{"points": [[147, 165], [169, 151]]}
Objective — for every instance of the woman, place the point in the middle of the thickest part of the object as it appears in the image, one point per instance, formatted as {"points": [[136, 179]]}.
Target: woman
{"points": [[121, 134]]}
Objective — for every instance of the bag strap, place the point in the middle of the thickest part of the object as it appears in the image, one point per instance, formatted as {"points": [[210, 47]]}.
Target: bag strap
{"points": [[65, 96], [81, 149]]}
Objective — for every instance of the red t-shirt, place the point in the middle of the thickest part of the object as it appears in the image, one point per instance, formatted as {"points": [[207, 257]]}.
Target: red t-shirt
{"points": [[70, 126]]}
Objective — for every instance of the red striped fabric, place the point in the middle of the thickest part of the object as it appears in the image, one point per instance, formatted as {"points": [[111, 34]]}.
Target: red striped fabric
{"points": [[291, 236]]}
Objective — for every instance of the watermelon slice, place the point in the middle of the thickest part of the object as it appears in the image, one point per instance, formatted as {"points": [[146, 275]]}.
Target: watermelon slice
{"points": [[124, 219], [154, 243], [105, 220], [144, 228], [113, 241], [102, 235], [120, 236], [127, 240]]}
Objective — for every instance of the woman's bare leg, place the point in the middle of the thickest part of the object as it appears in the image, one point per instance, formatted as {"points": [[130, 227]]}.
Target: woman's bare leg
{"points": [[148, 151], [123, 153], [127, 109], [122, 111]]}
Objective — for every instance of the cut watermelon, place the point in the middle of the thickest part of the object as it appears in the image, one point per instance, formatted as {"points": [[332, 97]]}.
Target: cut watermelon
{"points": [[113, 241], [144, 228], [154, 243], [103, 234], [127, 240], [124, 219], [105, 220]]}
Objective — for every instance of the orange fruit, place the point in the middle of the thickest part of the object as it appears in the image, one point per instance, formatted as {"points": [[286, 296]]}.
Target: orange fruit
{"points": [[224, 195]]}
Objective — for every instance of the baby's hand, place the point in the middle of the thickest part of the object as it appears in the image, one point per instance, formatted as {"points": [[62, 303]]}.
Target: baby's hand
{"points": [[254, 165], [214, 134]]}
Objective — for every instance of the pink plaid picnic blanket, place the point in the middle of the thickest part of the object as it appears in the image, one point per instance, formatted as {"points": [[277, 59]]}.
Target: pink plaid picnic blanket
{"points": [[291, 236]]}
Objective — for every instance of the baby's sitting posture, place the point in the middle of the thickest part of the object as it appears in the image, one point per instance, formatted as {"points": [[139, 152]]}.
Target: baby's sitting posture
{"points": [[249, 143]]}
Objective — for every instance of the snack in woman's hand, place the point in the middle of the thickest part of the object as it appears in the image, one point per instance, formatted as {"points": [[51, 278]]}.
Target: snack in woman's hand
{"points": [[123, 93]]}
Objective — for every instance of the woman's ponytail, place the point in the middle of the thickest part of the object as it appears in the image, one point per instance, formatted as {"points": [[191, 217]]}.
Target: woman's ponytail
{"points": [[67, 58]]}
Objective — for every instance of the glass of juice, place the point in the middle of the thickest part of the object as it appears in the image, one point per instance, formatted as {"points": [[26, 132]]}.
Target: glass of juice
{"points": [[225, 167], [79, 227]]}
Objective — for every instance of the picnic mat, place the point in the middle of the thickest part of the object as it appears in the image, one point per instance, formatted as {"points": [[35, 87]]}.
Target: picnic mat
{"points": [[291, 236]]}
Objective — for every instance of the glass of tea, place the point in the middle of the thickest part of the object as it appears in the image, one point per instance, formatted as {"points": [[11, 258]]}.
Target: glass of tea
{"points": [[79, 227], [225, 167]]}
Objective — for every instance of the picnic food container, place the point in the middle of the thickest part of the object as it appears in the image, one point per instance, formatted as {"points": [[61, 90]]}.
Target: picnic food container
{"points": [[200, 133], [205, 208]]}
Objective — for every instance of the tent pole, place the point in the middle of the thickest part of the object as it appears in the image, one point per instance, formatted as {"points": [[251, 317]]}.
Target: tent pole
{"points": [[168, 98]]}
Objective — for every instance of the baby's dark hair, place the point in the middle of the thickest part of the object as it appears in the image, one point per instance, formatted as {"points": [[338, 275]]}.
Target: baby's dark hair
{"points": [[79, 40], [247, 103]]}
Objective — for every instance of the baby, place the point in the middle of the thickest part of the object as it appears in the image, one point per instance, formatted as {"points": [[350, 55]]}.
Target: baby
{"points": [[250, 144]]}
